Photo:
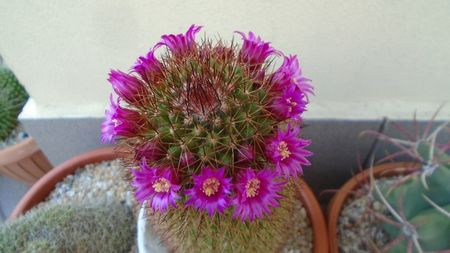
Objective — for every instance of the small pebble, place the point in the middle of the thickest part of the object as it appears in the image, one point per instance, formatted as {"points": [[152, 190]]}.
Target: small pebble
{"points": [[94, 182], [301, 237]]}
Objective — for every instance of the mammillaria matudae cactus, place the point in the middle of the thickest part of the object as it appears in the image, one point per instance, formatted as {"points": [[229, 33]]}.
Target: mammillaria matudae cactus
{"points": [[13, 98], [213, 131], [419, 203]]}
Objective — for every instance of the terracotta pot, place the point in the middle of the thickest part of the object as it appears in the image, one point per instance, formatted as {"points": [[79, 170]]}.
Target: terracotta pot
{"points": [[320, 237], [338, 200], [45, 185], [24, 161]]}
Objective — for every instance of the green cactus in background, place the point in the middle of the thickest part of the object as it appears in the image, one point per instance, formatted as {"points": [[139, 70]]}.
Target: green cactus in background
{"points": [[13, 98], [419, 203], [70, 228]]}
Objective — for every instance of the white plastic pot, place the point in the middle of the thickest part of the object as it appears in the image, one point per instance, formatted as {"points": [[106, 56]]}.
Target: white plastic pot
{"points": [[148, 242]]}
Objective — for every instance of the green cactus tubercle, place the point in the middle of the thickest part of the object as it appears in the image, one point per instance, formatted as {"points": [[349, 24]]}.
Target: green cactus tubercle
{"points": [[13, 98]]}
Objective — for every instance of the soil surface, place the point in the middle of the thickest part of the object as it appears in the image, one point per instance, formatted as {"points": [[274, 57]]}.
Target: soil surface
{"points": [[301, 239], [359, 231]]}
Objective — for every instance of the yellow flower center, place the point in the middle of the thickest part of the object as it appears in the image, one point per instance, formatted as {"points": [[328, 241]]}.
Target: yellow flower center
{"points": [[284, 151], [291, 103], [210, 186], [252, 187], [161, 185]]}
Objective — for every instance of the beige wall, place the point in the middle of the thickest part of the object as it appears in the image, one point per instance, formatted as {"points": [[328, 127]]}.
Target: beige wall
{"points": [[366, 58]]}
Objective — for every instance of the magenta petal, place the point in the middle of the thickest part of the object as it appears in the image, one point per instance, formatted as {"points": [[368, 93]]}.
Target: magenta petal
{"points": [[149, 68], [290, 74], [254, 50], [121, 121], [128, 87], [181, 43], [108, 132], [289, 105]]}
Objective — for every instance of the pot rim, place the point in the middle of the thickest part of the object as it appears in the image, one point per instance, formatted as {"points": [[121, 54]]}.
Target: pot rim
{"points": [[315, 215], [338, 200], [42, 188]]}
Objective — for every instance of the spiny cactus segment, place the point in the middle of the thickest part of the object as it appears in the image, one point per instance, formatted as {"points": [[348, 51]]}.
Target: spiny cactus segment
{"points": [[419, 203], [13, 98]]}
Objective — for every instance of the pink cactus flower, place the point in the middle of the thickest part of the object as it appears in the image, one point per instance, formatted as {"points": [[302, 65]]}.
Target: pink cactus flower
{"points": [[120, 121], [157, 186], [287, 151], [211, 191], [289, 105], [151, 151], [128, 87], [290, 74], [256, 193], [254, 50], [149, 68]]}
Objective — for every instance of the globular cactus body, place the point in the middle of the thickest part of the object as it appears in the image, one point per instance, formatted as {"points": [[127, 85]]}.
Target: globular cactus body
{"points": [[103, 227], [421, 200], [13, 97], [212, 131]]}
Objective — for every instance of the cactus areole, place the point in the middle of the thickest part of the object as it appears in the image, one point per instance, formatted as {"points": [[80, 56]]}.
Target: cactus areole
{"points": [[211, 127]]}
